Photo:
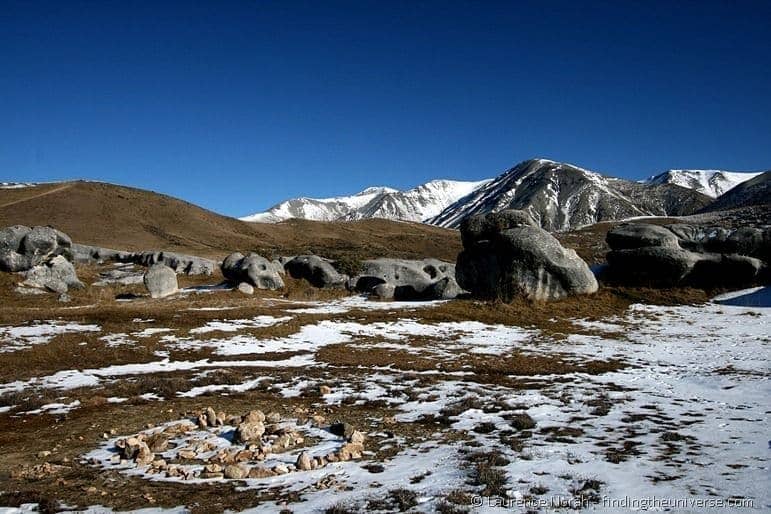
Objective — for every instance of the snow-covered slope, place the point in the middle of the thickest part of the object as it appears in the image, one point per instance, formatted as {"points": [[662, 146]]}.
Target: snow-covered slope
{"points": [[756, 191], [319, 209], [709, 182], [16, 185], [561, 196], [418, 204]]}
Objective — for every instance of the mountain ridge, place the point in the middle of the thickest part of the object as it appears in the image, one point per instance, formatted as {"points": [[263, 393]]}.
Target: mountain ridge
{"points": [[713, 183], [559, 196], [416, 204]]}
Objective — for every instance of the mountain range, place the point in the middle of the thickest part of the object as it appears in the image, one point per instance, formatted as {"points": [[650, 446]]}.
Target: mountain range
{"points": [[418, 204], [709, 182], [558, 196]]}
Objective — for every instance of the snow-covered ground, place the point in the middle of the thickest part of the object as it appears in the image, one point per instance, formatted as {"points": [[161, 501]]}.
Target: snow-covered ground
{"points": [[684, 421], [13, 338]]}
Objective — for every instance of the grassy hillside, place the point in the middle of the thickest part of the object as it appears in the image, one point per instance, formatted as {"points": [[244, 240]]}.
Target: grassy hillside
{"points": [[133, 219]]}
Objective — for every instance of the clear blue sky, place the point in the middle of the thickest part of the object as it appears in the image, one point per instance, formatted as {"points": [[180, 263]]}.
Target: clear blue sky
{"points": [[238, 105]]}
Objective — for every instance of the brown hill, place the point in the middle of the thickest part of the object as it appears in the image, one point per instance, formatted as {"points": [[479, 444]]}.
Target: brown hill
{"points": [[126, 218]]}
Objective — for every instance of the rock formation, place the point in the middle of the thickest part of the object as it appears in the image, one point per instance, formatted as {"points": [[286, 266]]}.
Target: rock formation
{"points": [[505, 256]]}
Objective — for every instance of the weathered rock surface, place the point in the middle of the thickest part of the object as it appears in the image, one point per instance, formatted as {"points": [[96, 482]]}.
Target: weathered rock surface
{"points": [[688, 255], [87, 254], [180, 263], [505, 256], [22, 247], [246, 288], [252, 269], [56, 275], [250, 431], [161, 281], [43, 254], [401, 279], [317, 271]]}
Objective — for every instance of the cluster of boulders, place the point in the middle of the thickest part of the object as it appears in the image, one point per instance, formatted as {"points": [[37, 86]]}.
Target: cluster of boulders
{"points": [[42, 254], [45, 257], [387, 279], [688, 255], [180, 263], [257, 436], [506, 255]]}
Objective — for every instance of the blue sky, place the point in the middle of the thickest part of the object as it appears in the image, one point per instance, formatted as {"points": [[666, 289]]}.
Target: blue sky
{"points": [[236, 105]]}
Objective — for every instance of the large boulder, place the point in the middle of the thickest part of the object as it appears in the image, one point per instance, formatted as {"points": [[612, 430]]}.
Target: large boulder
{"points": [[752, 241], [505, 257], [56, 275], [640, 235], [161, 281], [687, 255], [402, 279], [661, 266], [253, 269], [42, 242], [22, 247], [317, 271]]}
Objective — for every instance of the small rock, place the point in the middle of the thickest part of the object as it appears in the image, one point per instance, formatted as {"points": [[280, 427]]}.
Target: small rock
{"points": [[144, 455], [357, 437], [212, 468], [236, 472], [250, 432], [211, 417], [255, 416], [280, 469], [43, 454], [303, 462], [187, 455], [351, 451], [324, 389], [260, 472], [342, 429], [246, 288]]}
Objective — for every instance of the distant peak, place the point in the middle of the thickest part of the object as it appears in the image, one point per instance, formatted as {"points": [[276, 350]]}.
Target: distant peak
{"points": [[376, 190]]}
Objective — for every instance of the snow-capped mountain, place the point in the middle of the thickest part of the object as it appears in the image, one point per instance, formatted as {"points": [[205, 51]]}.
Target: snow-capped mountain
{"points": [[16, 185], [319, 209], [709, 182], [756, 191], [561, 196], [418, 204]]}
